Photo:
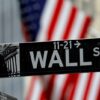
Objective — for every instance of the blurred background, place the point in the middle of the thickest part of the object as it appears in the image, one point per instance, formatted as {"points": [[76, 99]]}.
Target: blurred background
{"points": [[14, 28]]}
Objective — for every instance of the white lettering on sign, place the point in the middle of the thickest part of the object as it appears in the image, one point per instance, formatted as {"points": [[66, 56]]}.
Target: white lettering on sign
{"points": [[58, 60], [96, 51], [40, 58], [82, 62], [68, 63]]}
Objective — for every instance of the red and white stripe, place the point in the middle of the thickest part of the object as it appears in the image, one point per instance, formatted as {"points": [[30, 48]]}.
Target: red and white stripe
{"points": [[61, 20]]}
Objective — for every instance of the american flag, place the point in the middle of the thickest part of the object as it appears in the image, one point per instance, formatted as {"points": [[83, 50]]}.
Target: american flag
{"points": [[44, 20]]}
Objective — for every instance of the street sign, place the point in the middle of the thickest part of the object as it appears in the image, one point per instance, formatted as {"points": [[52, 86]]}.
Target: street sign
{"points": [[52, 57], [59, 57]]}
